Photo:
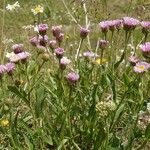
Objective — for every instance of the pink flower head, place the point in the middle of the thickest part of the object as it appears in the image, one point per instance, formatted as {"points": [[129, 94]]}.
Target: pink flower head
{"points": [[23, 56], [89, 54], [64, 62], [117, 23], [56, 30], [145, 48], [18, 48], [42, 29], [10, 67], [2, 70], [103, 44], [34, 41], [53, 44], [43, 40], [59, 52], [84, 32], [145, 26], [133, 60], [130, 23], [141, 67], [73, 78], [104, 25]]}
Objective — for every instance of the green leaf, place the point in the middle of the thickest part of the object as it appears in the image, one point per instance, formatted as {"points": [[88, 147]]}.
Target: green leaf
{"points": [[147, 131], [118, 112], [62, 144], [29, 144], [19, 92]]}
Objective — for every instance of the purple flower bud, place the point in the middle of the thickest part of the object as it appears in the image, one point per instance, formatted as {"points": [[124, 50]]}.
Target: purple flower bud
{"points": [[10, 67], [53, 44], [145, 48], [145, 26], [43, 40], [18, 48], [64, 62], [73, 78], [56, 30], [84, 32], [104, 25], [42, 29], [59, 52], [34, 41], [133, 60], [60, 37], [130, 23], [103, 44], [2, 70]]}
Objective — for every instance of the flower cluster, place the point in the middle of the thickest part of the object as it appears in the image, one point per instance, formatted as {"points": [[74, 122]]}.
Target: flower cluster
{"points": [[103, 108], [110, 25], [128, 23], [18, 54], [37, 10]]}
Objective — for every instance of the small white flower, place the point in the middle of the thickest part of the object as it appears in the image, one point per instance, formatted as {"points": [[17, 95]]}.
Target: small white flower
{"points": [[8, 55], [36, 29], [13, 7]]}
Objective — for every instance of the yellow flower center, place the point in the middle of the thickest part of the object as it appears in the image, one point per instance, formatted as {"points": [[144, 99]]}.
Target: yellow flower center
{"points": [[141, 67], [99, 61], [5, 122]]}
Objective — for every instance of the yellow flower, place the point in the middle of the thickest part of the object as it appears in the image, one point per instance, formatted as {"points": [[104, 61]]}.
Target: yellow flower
{"points": [[98, 61], [38, 9], [5, 122]]}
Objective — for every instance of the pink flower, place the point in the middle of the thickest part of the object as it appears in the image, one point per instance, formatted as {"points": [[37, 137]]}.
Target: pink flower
{"points": [[53, 44], [43, 40], [73, 78], [42, 29], [84, 32], [133, 60], [130, 23], [117, 23], [59, 52], [103, 44], [34, 41], [145, 48], [104, 25], [18, 48], [10, 67], [2, 69], [141, 67], [64, 62], [60, 37], [89, 54], [23, 56], [56, 30], [145, 26]]}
